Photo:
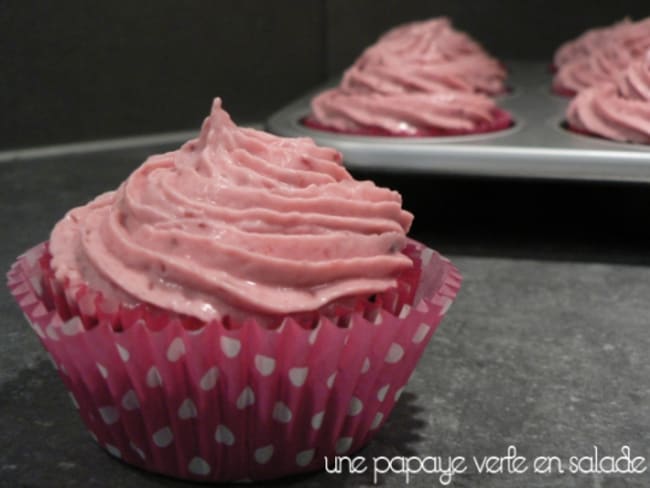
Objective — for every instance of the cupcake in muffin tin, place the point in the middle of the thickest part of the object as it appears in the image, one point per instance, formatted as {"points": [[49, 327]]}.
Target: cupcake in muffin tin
{"points": [[422, 79], [618, 110]]}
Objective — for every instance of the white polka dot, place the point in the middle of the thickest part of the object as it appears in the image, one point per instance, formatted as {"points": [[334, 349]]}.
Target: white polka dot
{"points": [[73, 400], [421, 333], [366, 366], [163, 437], [176, 350], [130, 400], [114, 451], [187, 410], [317, 420], [102, 370], [246, 398], [199, 466], [109, 414], [377, 420], [381, 393], [223, 435], [313, 335], [138, 451], [264, 364], [398, 393], [263, 454], [124, 354], [209, 379], [395, 353], [426, 256], [36, 328], [343, 445], [230, 346], [298, 376], [303, 458], [406, 310], [51, 333], [153, 377], [72, 327], [281, 413], [446, 304], [330, 380], [355, 407]]}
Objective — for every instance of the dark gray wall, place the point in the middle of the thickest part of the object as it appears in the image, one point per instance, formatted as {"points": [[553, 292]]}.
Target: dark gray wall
{"points": [[510, 29], [88, 69]]}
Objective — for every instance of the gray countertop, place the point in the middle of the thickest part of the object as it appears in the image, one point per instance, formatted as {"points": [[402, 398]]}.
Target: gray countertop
{"points": [[545, 348]]}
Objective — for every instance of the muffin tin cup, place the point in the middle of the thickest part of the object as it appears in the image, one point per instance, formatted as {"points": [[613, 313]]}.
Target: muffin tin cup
{"points": [[536, 146], [217, 403]]}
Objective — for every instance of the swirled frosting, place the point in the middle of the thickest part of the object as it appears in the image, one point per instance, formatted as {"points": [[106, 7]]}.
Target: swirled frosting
{"points": [[408, 114], [599, 55], [422, 78], [426, 57], [235, 222], [432, 37], [587, 43], [618, 110], [602, 65]]}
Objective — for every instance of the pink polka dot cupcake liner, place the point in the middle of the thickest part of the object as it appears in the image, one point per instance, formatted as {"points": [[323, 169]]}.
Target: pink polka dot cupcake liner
{"points": [[219, 402]]}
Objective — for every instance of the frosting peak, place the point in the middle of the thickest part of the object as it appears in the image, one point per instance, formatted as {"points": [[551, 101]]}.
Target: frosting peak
{"points": [[599, 55], [617, 109], [236, 220], [419, 79]]}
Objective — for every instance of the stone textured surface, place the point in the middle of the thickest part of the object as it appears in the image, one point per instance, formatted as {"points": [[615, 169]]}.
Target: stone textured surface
{"points": [[546, 350]]}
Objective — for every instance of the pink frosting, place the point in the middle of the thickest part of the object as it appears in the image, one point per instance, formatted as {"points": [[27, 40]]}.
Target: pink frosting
{"points": [[235, 222], [600, 54], [425, 56], [417, 77], [619, 109], [602, 65], [587, 43], [406, 114], [436, 35]]}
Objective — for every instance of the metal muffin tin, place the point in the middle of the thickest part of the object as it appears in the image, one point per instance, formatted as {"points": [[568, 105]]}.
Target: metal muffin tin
{"points": [[535, 147]]}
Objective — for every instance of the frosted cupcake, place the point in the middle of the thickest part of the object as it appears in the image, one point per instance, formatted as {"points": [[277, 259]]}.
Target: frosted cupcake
{"points": [[599, 55], [422, 79], [617, 110], [240, 308]]}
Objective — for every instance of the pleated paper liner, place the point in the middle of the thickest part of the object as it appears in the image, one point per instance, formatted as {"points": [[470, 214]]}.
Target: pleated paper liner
{"points": [[221, 402]]}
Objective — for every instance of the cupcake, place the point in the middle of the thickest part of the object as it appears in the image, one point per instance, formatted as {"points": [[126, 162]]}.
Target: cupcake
{"points": [[618, 110], [240, 308], [420, 79], [599, 55], [587, 43]]}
